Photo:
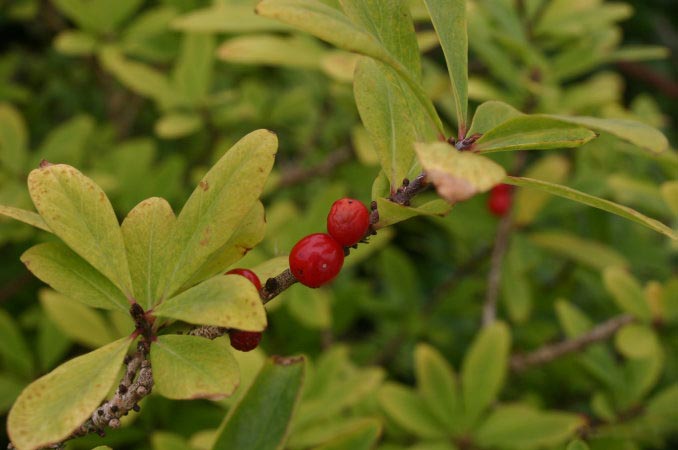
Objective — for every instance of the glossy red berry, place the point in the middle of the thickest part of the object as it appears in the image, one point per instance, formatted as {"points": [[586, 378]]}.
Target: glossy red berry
{"points": [[348, 221], [499, 201], [244, 341], [316, 259], [247, 274]]}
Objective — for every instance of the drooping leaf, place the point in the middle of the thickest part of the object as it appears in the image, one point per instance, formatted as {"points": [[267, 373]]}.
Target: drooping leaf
{"points": [[636, 133], [409, 411], [218, 205], [484, 369], [532, 133], [146, 231], [261, 419], [437, 385], [595, 202], [229, 301], [78, 211], [57, 265], [22, 215], [75, 320], [449, 21], [457, 175], [190, 367], [584, 251], [524, 428], [250, 232], [51, 407], [330, 25], [274, 50]]}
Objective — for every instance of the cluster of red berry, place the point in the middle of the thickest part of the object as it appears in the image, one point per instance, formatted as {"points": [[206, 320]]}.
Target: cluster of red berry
{"points": [[316, 259], [499, 201]]}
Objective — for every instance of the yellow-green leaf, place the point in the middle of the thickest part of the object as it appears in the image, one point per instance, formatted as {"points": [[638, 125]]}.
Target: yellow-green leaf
{"points": [[13, 139], [77, 321], [627, 293], [528, 202], [584, 251], [484, 369], [273, 50], [189, 367], [636, 341], [226, 18], [669, 191], [458, 175], [218, 206], [362, 436], [595, 202], [51, 407], [390, 213], [229, 301], [177, 125], [533, 133], [25, 216], [78, 211], [408, 410], [57, 265], [437, 384], [491, 114], [146, 231]]}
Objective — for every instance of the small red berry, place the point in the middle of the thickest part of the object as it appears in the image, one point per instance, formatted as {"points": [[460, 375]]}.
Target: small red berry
{"points": [[247, 274], [316, 259], [348, 221], [244, 341], [499, 201]]}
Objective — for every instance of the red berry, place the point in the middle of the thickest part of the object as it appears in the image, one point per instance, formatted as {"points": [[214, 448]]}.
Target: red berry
{"points": [[348, 221], [247, 274], [316, 259], [499, 201], [244, 341]]}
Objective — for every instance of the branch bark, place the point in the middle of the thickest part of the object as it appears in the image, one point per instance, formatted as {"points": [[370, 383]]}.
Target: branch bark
{"points": [[550, 352]]}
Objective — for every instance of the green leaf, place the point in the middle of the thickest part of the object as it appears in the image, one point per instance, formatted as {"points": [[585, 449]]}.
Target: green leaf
{"points": [[138, 77], [177, 125], [528, 203], [627, 293], [13, 139], [66, 143], [661, 408], [98, 15], [190, 367], [146, 231], [595, 202], [636, 341], [409, 411], [311, 307], [15, 353], [327, 431], [272, 50], [524, 428], [57, 265], [229, 301], [75, 43], [22, 215], [449, 21], [385, 113], [571, 319], [51, 407], [330, 25], [437, 385], [532, 133], [636, 133], [361, 437], [162, 440], [583, 251], [457, 175], [484, 369], [192, 74], [78, 211], [251, 231], [10, 388], [51, 344], [261, 419], [218, 206], [226, 18], [491, 114], [75, 320], [669, 191]]}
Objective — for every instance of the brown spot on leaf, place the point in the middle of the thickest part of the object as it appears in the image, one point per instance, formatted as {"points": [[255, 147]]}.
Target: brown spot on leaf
{"points": [[204, 185], [452, 189]]}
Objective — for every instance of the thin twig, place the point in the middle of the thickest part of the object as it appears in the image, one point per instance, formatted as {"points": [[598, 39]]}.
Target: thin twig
{"points": [[501, 242], [550, 352]]}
